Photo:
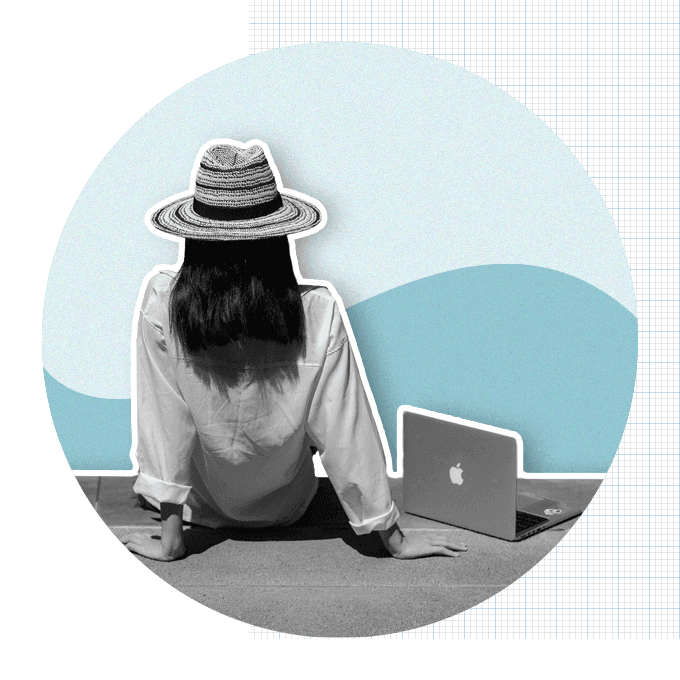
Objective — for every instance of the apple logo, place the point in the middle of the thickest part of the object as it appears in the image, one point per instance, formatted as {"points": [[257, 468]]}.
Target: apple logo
{"points": [[456, 474]]}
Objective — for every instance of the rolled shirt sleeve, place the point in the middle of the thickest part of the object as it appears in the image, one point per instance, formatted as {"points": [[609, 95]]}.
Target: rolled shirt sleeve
{"points": [[341, 425], [165, 429]]}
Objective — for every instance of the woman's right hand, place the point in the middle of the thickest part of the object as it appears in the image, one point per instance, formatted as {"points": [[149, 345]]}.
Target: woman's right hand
{"points": [[423, 543]]}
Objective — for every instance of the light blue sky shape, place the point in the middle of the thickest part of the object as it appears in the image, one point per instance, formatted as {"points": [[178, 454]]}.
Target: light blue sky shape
{"points": [[524, 348], [422, 166]]}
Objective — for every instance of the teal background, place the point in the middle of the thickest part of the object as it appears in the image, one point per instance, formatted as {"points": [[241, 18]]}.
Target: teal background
{"points": [[523, 348], [515, 346], [422, 166], [81, 75], [95, 433]]}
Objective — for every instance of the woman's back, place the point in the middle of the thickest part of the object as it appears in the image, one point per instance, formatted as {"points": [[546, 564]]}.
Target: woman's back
{"points": [[247, 413]]}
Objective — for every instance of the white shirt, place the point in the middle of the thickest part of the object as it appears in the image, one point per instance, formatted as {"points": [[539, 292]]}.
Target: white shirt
{"points": [[237, 452]]}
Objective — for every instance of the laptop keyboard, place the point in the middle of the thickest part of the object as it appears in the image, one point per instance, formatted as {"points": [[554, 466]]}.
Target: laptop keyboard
{"points": [[526, 520]]}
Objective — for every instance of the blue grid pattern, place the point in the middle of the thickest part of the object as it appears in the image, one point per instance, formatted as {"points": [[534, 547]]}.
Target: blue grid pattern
{"points": [[605, 77]]}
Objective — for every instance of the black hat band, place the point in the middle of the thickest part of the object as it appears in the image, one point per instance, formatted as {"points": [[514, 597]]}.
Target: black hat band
{"points": [[224, 213]]}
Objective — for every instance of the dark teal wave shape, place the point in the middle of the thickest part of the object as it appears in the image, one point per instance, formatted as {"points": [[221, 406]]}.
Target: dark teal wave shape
{"points": [[94, 433], [520, 347], [515, 346]]}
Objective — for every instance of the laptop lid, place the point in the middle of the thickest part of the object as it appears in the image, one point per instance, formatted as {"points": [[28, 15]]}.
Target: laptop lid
{"points": [[460, 472]]}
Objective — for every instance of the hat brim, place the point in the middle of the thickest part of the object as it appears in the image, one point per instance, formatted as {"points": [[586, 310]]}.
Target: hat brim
{"points": [[179, 218]]}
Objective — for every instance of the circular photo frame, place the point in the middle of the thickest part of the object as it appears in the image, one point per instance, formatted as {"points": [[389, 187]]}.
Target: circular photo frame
{"points": [[483, 286]]}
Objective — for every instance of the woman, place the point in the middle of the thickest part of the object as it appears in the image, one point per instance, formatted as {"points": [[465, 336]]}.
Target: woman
{"points": [[240, 370]]}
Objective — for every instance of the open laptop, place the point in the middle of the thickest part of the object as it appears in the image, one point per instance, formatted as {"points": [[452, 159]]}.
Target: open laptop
{"points": [[465, 473]]}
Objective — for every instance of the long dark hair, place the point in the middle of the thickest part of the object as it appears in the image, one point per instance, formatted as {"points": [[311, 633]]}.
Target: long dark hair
{"points": [[235, 291]]}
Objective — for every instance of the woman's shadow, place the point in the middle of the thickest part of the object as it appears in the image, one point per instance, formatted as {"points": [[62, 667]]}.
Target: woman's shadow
{"points": [[324, 519]]}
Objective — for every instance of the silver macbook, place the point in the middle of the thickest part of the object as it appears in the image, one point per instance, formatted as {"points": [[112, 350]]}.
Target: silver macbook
{"points": [[465, 473]]}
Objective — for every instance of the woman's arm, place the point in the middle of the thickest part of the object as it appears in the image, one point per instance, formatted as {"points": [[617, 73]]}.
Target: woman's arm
{"points": [[342, 425], [171, 544], [165, 436], [172, 535]]}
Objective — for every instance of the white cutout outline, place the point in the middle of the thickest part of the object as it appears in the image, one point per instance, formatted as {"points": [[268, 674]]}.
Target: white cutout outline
{"points": [[521, 474], [318, 468]]}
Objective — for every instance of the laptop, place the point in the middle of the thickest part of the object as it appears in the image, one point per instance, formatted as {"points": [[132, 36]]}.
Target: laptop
{"points": [[464, 473]]}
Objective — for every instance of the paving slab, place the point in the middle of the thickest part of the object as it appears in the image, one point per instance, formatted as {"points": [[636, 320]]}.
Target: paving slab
{"points": [[578, 492], [119, 505], [90, 487], [317, 575], [359, 611], [340, 558]]}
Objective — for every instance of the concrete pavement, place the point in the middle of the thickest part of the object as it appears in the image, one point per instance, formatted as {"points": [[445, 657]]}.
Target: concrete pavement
{"points": [[318, 578]]}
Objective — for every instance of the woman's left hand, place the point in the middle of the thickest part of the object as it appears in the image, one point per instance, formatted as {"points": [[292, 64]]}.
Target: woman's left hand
{"points": [[151, 547], [420, 543]]}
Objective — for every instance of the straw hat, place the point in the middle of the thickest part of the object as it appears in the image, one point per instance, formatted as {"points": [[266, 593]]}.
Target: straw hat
{"points": [[236, 194]]}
